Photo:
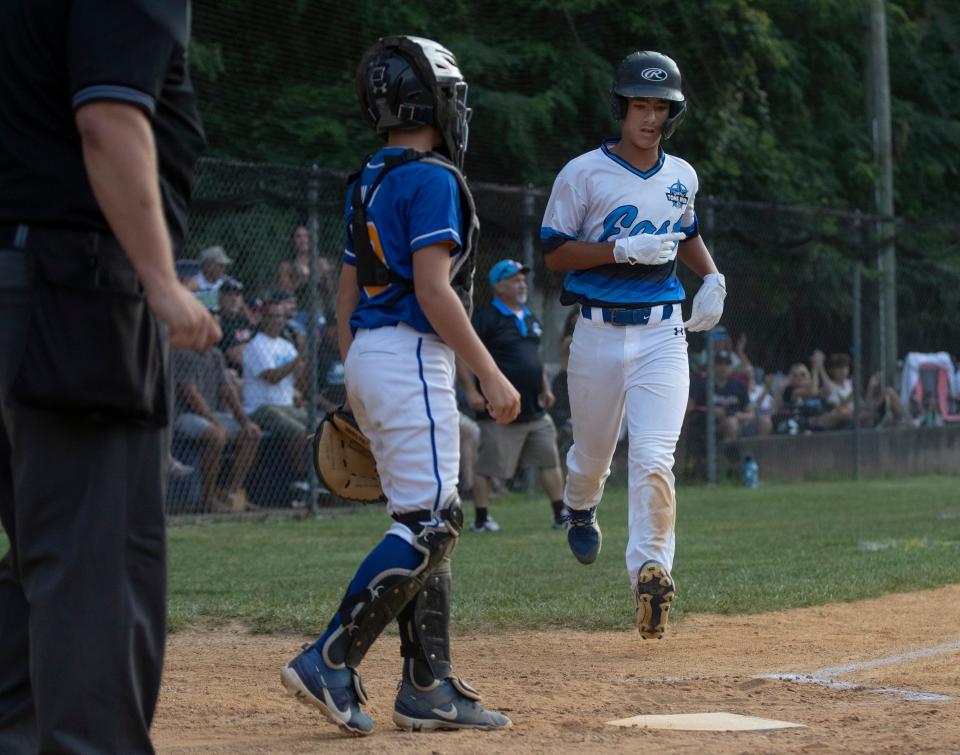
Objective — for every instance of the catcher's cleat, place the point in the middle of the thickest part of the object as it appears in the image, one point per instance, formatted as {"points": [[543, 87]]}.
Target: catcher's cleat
{"points": [[450, 703], [654, 593], [338, 693], [583, 534]]}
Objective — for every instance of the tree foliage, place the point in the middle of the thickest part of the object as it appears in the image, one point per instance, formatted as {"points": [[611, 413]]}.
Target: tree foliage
{"points": [[776, 89]]}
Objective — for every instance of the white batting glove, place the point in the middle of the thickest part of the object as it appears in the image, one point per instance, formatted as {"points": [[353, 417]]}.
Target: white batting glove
{"points": [[647, 248], [708, 303]]}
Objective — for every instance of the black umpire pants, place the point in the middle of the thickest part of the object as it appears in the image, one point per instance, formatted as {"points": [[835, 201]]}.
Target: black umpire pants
{"points": [[83, 586]]}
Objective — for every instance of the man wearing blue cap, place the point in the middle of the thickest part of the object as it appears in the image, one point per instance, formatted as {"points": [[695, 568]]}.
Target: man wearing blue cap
{"points": [[512, 335]]}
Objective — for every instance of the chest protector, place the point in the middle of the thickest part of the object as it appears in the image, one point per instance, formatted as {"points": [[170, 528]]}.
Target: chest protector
{"points": [[372, 271]]}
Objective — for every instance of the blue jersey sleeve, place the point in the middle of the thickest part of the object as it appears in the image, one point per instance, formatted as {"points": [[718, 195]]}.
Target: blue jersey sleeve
{"points": [[434, 210]]}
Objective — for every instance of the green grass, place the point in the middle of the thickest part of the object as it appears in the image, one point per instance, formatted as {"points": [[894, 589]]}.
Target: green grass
{"points": [[738, 551]]}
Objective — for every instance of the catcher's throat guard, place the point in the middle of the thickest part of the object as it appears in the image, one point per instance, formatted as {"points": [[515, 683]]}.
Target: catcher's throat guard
{"points": [[343, 460]]}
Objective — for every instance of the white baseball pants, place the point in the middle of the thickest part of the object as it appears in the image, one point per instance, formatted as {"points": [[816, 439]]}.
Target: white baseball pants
{"points": [[641, 370], [401, 389]]}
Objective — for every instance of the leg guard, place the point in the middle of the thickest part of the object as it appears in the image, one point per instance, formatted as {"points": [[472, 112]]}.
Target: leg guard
{"points": [[425, 628], [365, 614]]}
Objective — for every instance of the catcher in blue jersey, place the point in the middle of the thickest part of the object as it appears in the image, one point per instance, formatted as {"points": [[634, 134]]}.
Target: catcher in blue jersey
{"points": [[618, 219], [402, 314]]}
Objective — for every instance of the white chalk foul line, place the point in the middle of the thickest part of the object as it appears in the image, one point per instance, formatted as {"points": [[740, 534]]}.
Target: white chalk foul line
{"points": [[850, 668], [823, 677]]}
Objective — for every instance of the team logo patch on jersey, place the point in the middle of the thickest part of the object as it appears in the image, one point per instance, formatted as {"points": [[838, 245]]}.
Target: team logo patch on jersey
{"points": [[677, 194]]}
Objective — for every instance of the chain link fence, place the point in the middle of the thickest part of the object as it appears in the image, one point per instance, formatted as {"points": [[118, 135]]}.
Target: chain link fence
{"points": [[804, 307]]}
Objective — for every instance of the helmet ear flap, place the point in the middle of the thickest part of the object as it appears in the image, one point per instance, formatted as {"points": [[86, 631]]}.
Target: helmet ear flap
{"points": [[678, 111], [618, 106]]}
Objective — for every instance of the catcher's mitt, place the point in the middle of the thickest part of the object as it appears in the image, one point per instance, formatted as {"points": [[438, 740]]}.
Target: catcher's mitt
{"points": [[342, 458]]}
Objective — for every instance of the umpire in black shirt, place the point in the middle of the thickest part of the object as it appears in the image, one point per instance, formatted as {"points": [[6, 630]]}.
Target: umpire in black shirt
{"points": [[511, 333], [99, 133]]}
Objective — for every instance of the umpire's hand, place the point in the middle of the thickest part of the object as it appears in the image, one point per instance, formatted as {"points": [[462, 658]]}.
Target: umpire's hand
{"points": [[191, 325]]}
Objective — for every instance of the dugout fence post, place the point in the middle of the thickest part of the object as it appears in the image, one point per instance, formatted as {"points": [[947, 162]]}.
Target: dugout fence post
{"points": [[535, 297], [313, 226], [710, 444], [857, 347]]}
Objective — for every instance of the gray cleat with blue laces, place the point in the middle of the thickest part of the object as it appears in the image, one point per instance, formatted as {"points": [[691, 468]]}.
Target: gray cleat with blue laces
{"points": [[583, 534], [337, 692]]}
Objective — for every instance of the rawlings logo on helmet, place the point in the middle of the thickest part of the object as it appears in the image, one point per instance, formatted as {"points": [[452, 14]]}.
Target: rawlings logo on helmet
{"points": [[654, 74]]}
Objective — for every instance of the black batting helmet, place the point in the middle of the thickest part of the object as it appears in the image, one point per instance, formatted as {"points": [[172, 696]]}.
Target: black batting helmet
{"points": [[411, 82], [648, 74]]}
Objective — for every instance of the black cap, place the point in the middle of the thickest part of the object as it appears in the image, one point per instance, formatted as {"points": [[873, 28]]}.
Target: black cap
{"points": [[281, 294], [230, 284]]}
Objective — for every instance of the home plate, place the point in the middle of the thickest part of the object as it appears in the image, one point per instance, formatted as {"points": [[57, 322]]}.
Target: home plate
{"points": [[718, 721]]}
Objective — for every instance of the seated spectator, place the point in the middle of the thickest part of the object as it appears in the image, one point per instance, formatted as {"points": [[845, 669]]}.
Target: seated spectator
{"points": [[187, 271], [203, 389], [731, 404], [213, 265], [293, 331], [882, 406], [237, 322], [742, 366], [800, 403], [721, 342], [832, 377], [271, 364], [761, 398]]}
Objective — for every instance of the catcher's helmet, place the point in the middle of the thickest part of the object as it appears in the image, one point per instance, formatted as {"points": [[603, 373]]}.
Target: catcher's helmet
{"points": [[411, 82], [648, 74]]}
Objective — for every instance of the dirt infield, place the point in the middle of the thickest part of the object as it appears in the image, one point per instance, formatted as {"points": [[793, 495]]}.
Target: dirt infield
{"points": [[221, 691]]}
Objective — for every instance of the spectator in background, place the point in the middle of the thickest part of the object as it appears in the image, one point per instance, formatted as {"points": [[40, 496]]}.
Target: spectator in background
{"points": [[831, 378], [237, 322], [469, 451], [800, 403], [213, 266], [209, 412], [722, 342], [882, 406], [560, 411], [292, 331], [512, 334], [760, 390], [271, 364], [294, 274], [731, 403]]}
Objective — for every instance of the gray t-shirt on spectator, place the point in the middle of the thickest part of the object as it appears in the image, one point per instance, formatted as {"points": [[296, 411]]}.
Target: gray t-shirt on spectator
{"points": [[206, 371]]}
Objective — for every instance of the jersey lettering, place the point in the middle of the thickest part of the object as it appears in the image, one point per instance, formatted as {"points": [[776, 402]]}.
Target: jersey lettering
{"points": [[623, 218]]}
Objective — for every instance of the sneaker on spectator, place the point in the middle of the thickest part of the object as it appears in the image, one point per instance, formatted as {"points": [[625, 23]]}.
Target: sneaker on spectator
{"points": [[488, 526], [178, 470]]}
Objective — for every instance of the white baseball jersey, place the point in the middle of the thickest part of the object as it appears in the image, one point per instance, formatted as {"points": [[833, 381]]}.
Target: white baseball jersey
{"points": [[600, 197]]}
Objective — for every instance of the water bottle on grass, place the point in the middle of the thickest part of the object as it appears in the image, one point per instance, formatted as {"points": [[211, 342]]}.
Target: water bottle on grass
{"points": [[750, 472]]}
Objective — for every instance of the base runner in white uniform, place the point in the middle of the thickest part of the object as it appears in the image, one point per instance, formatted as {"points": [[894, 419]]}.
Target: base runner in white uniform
{"points": [[411, 229], [618, 219]]}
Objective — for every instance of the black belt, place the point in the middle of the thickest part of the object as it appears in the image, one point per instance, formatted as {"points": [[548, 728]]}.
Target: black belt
{"points": [[26, 236]]}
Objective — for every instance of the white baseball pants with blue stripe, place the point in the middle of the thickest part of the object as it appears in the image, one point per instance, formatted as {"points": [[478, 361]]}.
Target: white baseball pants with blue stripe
{"points": [[640, 370], [401, 388]]}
